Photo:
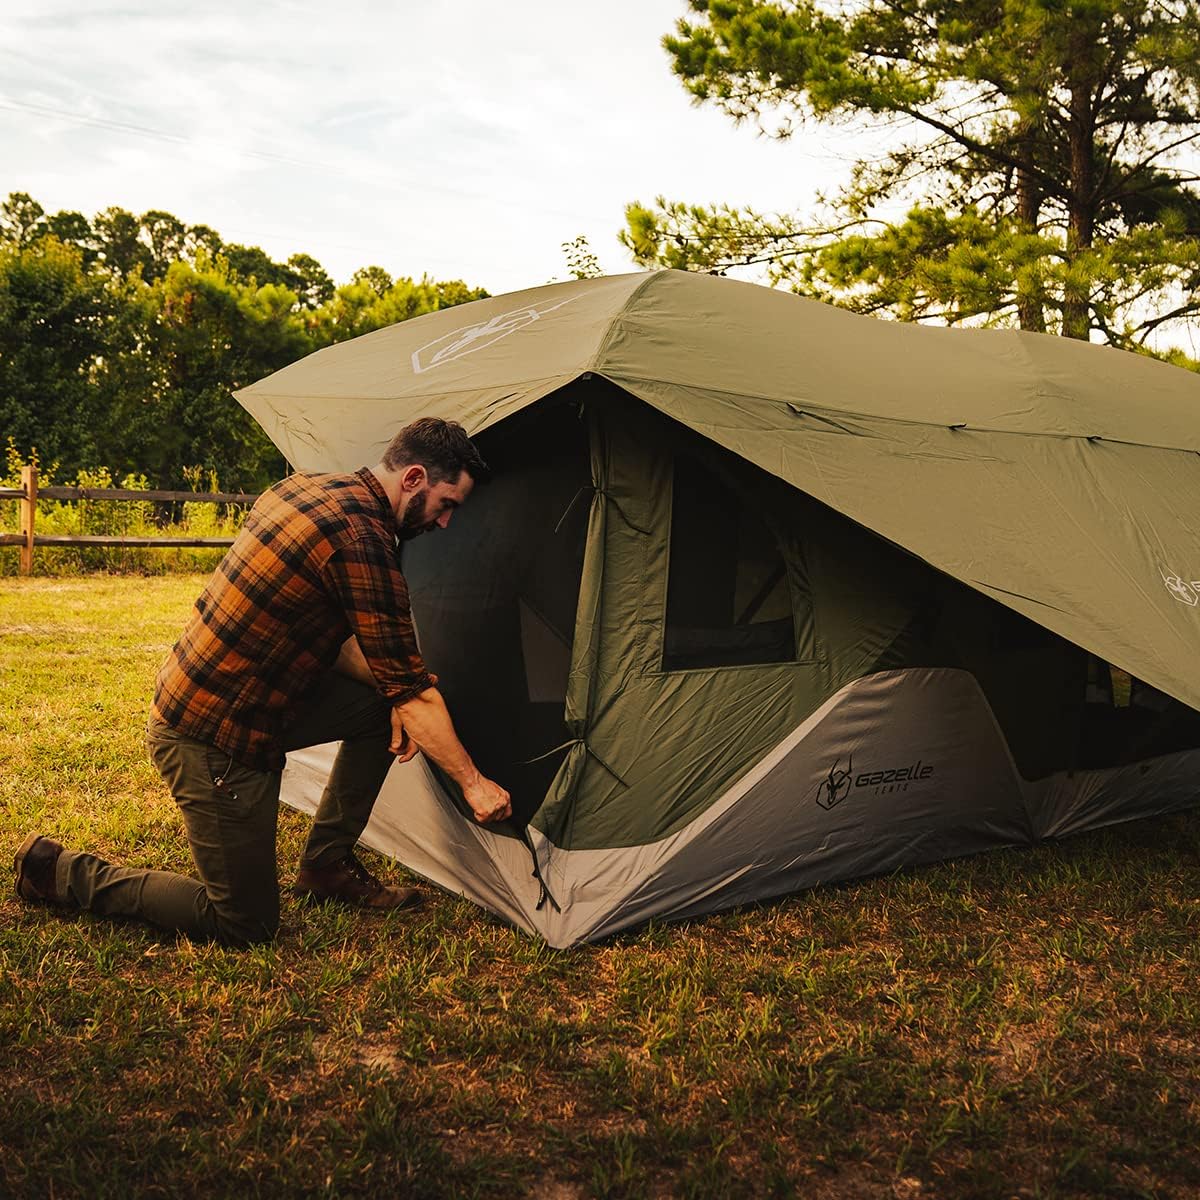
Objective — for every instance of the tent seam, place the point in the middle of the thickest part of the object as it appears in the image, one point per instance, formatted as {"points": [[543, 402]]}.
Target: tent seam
{"points": [[610, 334], [620, 381]]}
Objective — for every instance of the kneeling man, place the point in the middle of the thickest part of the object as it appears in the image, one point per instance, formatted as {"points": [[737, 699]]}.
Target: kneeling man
{"points": [[302, 636]]}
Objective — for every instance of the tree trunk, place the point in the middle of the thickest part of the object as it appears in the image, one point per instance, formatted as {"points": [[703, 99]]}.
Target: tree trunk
{"points": [[1081, 217], [1031, 314]]}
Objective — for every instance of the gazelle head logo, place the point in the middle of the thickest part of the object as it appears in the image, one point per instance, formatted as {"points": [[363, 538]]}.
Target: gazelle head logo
{"points": [[466, 340], [1185, 591]]}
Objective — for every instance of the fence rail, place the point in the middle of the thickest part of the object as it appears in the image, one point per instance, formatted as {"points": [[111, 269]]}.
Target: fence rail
{"points": [[29, 493], [91, 493]]}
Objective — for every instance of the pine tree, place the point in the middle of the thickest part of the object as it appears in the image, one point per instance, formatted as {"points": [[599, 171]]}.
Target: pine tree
{"points": [[1039, 174]]}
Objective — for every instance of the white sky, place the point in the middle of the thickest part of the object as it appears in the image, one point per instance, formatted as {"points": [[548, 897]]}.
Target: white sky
{"points": [[464, 140]]}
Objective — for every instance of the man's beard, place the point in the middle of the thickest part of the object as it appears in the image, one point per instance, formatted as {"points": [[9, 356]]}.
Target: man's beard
{"points": [[413, 522]]}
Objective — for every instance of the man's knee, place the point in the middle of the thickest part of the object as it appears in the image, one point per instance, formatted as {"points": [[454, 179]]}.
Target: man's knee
{"points": [[240, 926]]}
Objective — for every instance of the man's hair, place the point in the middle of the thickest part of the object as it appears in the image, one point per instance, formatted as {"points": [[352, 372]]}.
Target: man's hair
{"points": [[441, 447]]}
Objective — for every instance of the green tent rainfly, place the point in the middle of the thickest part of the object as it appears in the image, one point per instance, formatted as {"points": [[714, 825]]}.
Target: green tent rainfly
{"points": [[766, 594]]}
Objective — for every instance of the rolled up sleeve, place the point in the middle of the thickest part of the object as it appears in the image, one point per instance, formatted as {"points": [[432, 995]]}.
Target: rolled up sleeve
{"points": [[364, 577]]}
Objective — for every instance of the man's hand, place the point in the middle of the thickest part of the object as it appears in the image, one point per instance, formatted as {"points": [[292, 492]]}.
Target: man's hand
{"points": [[488, 800], [401, 745]]}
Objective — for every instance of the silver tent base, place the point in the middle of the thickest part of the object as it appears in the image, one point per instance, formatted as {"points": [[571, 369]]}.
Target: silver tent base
{"points": [[896, 769]]}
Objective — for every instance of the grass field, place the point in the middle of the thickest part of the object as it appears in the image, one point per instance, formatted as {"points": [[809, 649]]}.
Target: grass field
{"points": [[1023, 1024]]}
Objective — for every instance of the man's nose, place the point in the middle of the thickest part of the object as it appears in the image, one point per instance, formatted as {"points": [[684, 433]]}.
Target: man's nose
{"points": [[444, 519]]}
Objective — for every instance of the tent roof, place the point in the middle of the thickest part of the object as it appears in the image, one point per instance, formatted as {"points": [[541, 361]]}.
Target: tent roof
{"points": [[1058, 477]]}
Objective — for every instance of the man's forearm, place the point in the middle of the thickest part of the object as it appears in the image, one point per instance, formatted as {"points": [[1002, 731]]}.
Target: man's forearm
{"points": [[427, 721]]}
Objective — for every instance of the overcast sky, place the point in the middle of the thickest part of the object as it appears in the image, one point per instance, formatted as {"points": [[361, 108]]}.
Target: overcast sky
{"points": [[465, 140]]}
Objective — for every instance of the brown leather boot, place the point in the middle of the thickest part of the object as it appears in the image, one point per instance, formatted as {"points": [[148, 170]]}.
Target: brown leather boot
{"points": [[35, 864], [351, 882]]}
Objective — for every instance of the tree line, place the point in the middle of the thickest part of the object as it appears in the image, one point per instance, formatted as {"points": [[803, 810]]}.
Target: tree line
{"points": [[122, 337], [1042, 169]]}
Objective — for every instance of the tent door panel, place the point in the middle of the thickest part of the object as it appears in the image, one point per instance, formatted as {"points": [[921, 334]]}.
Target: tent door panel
{"points": [[495, 599]]}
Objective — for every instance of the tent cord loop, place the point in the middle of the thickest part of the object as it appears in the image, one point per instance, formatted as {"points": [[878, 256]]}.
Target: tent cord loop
{"points": [[596, 490], [569, 745], [570, 506]]}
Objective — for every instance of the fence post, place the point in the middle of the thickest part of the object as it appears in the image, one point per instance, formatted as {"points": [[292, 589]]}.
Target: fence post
{"points": [[28, 516]]}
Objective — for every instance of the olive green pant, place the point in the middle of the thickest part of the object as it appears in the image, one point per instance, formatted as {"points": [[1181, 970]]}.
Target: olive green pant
{"points": [[231, 812]]}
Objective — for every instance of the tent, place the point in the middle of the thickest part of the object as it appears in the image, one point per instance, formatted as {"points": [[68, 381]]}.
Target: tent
{"points": [[765, 594]]}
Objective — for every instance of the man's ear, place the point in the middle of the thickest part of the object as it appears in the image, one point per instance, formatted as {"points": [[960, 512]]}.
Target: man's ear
{"points": [[413, 478]]}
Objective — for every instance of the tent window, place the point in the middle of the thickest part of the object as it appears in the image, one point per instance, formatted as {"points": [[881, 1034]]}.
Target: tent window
{"points": [[728, 601]]}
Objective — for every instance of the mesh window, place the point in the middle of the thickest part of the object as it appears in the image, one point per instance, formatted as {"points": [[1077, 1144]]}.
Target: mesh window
{"points": [[728, 602]]}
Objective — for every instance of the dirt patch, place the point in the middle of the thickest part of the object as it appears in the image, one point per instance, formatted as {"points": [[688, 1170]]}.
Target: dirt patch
{"points": [[1019, 1049], [374, 1053], [556, 1189]]}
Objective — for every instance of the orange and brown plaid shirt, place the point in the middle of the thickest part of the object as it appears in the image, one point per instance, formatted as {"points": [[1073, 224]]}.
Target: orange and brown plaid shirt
{"points": [[315, 562]]}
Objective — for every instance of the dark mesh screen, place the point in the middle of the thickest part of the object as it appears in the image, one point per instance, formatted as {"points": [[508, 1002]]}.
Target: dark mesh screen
{"points": [[728, 601], [494, 598]]}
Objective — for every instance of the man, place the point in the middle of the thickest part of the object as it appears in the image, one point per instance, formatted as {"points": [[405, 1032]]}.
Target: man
{"points": [[303, 635]]}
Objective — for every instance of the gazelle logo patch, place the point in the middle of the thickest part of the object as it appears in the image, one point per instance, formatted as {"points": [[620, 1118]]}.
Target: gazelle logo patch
{"points": [[839, 783], [836, 786], [461, 342], [1184, 590]]}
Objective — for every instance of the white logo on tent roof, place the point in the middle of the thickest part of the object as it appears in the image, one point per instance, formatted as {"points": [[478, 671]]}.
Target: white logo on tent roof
{"points": [[461, 342], [1185, 591]]}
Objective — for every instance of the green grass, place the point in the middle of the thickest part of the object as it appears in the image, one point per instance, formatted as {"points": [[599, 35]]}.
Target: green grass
{"points": [[1020, 1024]]}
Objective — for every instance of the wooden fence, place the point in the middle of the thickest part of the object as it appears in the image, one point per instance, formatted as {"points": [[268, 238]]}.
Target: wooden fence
{"points": [[29, 493]]}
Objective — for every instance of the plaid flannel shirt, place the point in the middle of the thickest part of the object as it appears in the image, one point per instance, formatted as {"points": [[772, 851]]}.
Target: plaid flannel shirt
{"points": [[315, 562]]}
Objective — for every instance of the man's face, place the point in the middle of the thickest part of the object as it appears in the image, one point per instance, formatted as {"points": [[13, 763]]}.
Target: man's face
{"points": [[431, 505]]}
